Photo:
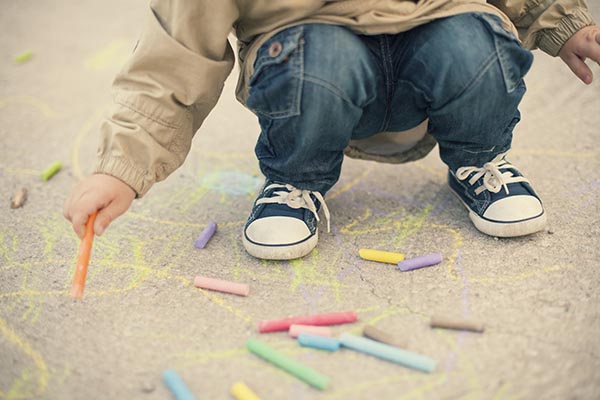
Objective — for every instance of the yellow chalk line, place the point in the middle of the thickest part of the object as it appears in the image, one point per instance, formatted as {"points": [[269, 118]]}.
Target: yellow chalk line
{"points": [[519, 276], [83, 132], [181, 223], [112, 54], [22, 171], [43, 107], [25, 347], [348, 186]]}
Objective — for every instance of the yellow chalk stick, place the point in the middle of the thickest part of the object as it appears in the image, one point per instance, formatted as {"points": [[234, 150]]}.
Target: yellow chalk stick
{"points": [[381, 256], [242, 392]]}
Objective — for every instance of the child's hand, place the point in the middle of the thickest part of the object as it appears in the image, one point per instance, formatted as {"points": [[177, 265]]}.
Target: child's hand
{"points": [[585, 43], [111, 196]]}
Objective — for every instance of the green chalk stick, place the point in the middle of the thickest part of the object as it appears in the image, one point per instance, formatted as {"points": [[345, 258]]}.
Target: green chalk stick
{"points": [[301, 371], [51, 170], [23, 57]]}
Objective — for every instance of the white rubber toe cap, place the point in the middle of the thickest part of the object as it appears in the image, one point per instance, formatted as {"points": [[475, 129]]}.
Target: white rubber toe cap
{"points": [[514, 208], [277, 231]]}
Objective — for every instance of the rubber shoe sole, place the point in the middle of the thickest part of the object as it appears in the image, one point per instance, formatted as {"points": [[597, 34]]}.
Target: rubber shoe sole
{"points": [[505, 229], [281, 252]]}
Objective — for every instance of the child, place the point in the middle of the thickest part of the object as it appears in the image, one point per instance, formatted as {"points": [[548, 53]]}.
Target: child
{"points": [[328, 77]]}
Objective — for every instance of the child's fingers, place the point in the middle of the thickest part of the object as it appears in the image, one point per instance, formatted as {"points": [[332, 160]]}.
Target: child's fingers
{"points": [[103, 219], [112, 211], [579, 68], [67, 208], [79, 219]]}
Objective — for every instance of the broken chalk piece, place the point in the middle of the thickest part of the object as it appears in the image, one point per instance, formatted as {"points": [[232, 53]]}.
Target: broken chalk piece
{"points": [[301, 371], [51, 170], [389, 353], [242, 392], [457, 323], [205, 235], [19, 198], [296, 329], [376, 334], [420, 262], [318, 342], [381, 256], [177, 386], [20, 58], [316, 319], [203, 282]]}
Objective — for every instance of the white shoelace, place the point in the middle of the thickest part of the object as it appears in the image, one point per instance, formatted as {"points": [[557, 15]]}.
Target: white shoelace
{"points": [[493, 178], [296, 198]]}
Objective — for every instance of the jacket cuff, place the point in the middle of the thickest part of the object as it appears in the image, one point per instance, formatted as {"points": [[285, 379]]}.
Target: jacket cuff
{"points": [[123, 170], [552, 40]]}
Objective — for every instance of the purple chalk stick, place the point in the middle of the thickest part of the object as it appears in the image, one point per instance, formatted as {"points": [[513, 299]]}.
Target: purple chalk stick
{"points": [[206, 234], [420, 262]]}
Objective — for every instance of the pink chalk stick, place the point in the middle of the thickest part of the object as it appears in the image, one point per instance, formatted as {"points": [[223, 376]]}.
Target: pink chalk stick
{"points": [[205, 235], [295, 330], [420, 262], [317, 319], [203, 282]]}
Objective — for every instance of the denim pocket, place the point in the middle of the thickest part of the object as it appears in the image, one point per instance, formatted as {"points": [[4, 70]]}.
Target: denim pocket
{"points": [[275, 87], [514, 60]]}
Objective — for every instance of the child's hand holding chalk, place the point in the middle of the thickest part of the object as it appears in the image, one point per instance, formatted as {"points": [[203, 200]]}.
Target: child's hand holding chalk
{"points": [[107, 195]]}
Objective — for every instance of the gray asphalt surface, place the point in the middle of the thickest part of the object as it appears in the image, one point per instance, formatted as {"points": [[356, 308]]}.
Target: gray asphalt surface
{"points": [[141, 315]]}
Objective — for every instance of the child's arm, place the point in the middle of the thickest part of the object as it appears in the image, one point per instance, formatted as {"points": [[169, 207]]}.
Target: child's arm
{"points": [[546, 25], [162, 95], [584, 44]]}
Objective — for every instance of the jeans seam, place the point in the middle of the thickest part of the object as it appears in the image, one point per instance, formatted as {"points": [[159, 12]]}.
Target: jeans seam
{"points": [[334, 89], [486, 65], [387, 64], [428, 99]]}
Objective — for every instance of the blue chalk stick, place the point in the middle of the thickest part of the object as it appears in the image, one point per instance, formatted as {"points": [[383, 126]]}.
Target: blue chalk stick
{"points": [[177, 386], [318, 342], [386, 352], [205, 235]]}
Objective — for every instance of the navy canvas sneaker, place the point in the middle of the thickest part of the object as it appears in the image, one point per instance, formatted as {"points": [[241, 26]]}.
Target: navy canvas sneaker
{"points": [[501, 202], [283, 222]]}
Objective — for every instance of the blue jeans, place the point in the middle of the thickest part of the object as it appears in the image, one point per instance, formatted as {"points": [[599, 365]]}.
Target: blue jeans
{"points": [[317, 86]]}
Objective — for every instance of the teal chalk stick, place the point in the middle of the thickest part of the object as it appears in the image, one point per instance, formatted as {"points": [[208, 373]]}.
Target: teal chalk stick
{"points": [[292, 366], [318, 342], [177, 386], [389, 353]]}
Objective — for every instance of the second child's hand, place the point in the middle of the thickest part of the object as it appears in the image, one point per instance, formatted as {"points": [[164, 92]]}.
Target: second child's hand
{"points": [[584, 44]]}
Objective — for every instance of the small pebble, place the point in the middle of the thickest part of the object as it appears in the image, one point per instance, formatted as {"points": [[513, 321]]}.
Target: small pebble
{"points": [[148, 387]]}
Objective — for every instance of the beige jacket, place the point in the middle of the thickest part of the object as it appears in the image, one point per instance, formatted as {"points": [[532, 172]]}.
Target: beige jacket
{"points": [[176, 73]]}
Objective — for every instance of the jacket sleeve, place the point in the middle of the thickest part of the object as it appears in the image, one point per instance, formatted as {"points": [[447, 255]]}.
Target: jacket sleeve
{"points": [[546, 24], [166, 89]]}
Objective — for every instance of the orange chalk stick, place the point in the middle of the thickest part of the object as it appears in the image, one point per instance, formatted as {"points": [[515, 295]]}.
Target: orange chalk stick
{"points": [[241, 289], [83, 258]]}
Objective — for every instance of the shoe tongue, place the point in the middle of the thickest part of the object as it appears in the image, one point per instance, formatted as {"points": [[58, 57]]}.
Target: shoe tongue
{"points": [[282, 210], [518, 188]]}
